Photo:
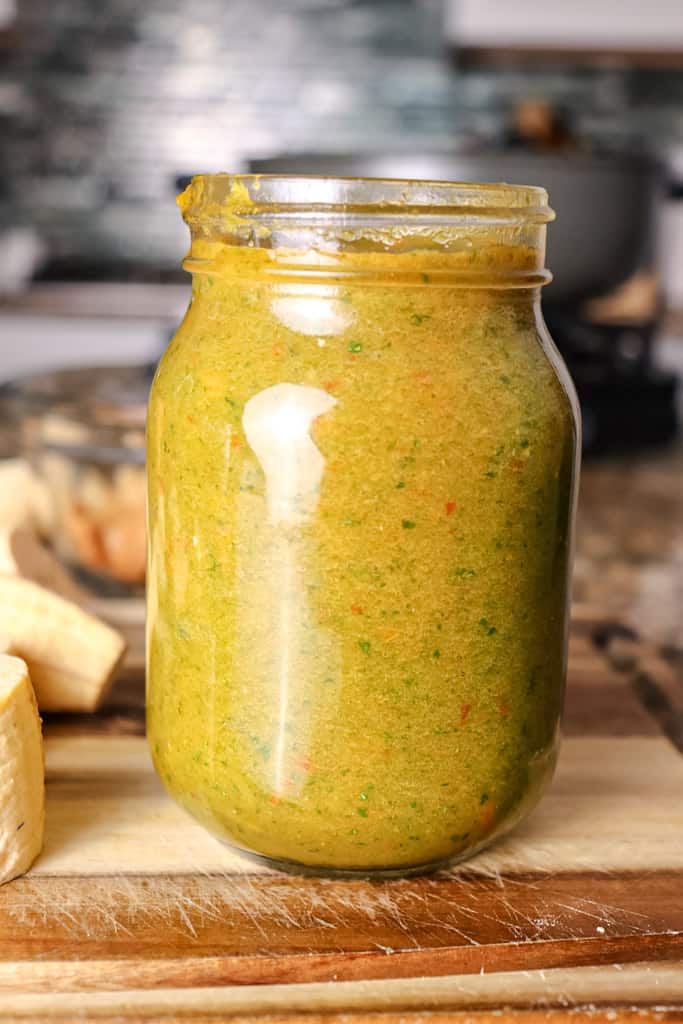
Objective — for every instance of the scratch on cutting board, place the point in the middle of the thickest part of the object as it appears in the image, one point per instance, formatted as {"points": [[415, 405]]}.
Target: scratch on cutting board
{"points": [[117, 905]]}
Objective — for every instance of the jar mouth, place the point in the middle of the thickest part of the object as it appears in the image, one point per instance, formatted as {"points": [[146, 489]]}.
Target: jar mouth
{"points": [[277, 198], [296, 227]]}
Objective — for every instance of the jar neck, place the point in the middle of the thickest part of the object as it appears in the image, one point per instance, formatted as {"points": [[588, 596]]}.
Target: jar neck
{"points": [[216, 296]]}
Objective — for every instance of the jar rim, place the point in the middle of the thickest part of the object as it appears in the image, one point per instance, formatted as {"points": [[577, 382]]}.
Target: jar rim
{"points": [[266, 197]]}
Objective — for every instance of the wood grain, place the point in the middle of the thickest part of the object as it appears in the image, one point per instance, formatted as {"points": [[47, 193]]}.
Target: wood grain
{"points": [[217, 934], [626, 986]]}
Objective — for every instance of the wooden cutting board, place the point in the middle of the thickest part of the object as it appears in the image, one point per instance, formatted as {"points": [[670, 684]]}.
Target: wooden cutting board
{"points": [[133, 912]]}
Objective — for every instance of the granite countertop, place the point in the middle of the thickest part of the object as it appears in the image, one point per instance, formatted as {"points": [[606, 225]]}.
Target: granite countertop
{"points": [[629, 553]]}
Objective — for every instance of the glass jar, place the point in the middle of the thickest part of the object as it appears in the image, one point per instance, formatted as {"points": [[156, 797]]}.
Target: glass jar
{"points": [[362, 453]]}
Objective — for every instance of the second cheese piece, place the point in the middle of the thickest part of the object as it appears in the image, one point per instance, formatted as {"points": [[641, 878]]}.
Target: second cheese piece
{"points": [[71, 655], [22, 796]]}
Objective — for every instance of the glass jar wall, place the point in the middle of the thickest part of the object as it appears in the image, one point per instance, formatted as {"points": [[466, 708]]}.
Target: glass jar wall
{"points": [[362, 450]]}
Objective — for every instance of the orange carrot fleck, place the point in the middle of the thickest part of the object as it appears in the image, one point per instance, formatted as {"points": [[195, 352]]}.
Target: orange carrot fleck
{"points": [[450, 508], [504, 709], [235, 441], [356, 609], [277, 351], [465, 712], [331, 385]]}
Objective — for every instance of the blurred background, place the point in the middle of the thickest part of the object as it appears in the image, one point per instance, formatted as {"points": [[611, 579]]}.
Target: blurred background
{"points": [[107, 107]]}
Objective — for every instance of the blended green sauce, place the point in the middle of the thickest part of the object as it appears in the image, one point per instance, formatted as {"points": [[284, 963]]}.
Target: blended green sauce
{"points": [[360, 505]]}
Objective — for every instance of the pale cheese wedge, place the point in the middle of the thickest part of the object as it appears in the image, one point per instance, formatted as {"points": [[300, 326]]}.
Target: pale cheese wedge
{"points": [[22, 554], [22, 787], [71, 655]]}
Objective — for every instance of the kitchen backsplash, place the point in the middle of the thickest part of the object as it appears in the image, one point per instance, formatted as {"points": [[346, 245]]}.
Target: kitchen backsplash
{"points": [[104, 105]]}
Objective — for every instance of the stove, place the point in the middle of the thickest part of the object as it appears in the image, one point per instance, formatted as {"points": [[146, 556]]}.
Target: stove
{"points": [[627, 402]]}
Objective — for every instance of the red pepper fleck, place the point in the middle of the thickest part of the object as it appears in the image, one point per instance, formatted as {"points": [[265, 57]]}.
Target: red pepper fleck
{"points": [[488, 813], [235, 441], [304, 764], [517, 465], [450, 508], [422, 377], [504, 709], [274, 800], [356, 609], [331, 385], [277, 351], [191, 419], [465, 712]]}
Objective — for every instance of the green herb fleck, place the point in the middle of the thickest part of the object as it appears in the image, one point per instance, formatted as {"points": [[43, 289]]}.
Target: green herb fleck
{"points": [[364, 646], [362, 812], [524, 443], [413, 804], [261, 747], [504, 379], [400, 485], [462, 574], [197, 756], [408, 524], [355, 346], [484, 798], [436, 653], [182, 632], [213, 562], [418, 318], [425, 278], [487, 627]]}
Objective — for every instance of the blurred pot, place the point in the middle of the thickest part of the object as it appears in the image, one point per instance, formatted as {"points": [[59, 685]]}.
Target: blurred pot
{"points": [[605, 204]]}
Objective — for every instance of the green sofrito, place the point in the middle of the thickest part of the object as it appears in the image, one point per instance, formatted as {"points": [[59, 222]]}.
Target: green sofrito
{"points": [[359, 517]]}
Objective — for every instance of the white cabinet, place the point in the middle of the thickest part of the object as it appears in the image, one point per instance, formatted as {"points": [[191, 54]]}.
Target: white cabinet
{"points": [[621, 26]]}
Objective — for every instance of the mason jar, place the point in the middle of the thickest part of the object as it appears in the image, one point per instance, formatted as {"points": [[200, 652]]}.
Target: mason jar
{"points": [[362, 455]]}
